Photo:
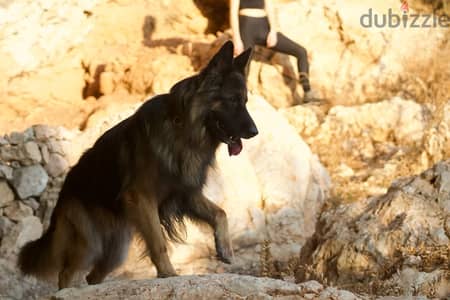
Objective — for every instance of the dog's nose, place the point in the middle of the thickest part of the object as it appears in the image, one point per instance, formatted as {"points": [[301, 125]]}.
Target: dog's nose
{"points": [[251, 132]]}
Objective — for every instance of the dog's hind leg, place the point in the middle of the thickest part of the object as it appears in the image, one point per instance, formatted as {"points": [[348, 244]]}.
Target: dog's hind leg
{"points": [[75, 245], [73, 261], [201, 208], [114, 253], [143, 212]]}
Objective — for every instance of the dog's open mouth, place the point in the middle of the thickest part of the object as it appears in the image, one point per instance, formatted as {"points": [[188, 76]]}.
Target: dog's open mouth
{"points": [[234, 146], [234, 143]]}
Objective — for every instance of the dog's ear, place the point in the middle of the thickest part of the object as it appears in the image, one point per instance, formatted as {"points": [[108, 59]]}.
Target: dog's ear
{"points": [[223, 59], [242, 62]]}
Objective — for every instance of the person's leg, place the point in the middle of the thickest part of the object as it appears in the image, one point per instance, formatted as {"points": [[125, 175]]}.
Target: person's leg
{"points": [[287, 46], [247, 29]]}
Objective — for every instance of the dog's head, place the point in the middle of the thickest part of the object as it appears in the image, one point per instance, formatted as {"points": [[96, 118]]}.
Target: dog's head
{"points": [[224, 87]]}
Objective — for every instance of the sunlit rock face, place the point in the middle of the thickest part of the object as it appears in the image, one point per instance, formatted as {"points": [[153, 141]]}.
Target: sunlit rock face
{"points": [[400, 237]]}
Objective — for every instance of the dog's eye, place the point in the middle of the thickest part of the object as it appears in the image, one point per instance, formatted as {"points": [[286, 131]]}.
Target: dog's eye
{"points": [[235, 100]]}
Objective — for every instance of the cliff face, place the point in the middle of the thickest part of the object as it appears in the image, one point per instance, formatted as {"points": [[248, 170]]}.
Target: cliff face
{"points": [[59, 56]]}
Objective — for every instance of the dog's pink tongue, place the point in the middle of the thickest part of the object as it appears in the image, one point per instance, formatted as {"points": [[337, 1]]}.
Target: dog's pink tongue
{"points": [[235, 147]]}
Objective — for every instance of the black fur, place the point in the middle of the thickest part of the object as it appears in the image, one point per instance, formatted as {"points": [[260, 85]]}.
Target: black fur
{"points": [[145, 172]]}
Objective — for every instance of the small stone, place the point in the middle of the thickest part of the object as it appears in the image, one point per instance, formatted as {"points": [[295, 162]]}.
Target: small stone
{"points": [[6, 172], [6, 194], [5, 226], [312, 287], [16, 138], [55, 146], [413, 260], [16, 211], [3, 141], [32, 152], [57, 165], [30, 229], [44, 132], [28, 134], [31, 202], [15, 165], [346, 295], [30, 181], [45, 153], [10, 153]]}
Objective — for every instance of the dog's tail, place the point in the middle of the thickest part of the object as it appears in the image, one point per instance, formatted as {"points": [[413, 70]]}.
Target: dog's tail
{"points": [[36, 257]]}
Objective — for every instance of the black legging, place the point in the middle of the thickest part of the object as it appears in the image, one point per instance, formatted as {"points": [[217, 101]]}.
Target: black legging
{"points": [[254, 31]]}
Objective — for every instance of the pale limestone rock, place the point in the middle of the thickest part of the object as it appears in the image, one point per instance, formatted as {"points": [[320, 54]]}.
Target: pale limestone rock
{"points": [[356, 240], [217, 286], [30, 181], [31, 229], [32, 152], [56, 165], [16, 211], [6, 194]]}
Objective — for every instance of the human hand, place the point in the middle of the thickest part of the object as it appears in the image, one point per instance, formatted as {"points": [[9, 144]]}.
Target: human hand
{"points": [[271, 40], [238, 46]]}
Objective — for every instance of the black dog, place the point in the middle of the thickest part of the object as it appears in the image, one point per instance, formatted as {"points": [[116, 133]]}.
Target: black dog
{"points": [[145, 172]]}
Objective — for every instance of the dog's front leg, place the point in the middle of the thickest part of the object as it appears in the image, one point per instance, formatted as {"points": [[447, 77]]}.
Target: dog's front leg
{"points": [[201, 208], [143, 212]]}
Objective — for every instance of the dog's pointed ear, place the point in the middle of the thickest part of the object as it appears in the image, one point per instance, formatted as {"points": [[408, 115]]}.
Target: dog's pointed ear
{"points": [[223, 59], [242, 62]]}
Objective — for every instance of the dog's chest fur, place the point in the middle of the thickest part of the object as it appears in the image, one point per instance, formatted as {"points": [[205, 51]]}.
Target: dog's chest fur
{"points": [[185, 157]]}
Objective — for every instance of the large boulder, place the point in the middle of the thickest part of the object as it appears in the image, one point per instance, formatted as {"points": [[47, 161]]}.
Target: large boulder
{"points": [[400, 238], [219, 286]]}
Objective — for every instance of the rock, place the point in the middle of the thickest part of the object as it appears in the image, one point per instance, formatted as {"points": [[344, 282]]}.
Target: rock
{"points": [[57, 146], [57, 165], [16, 138], [5, 226], [303, 118], [26, 50], [216, 286], [30, 229], [361, 241], [32, 152], [45, 153], [3, 141], [274, 87], [14, 285], [106, 83], [6, 194], [16, 211], [294, 183], [6, 172], [10, 153], [407, 117], [30, 181], [44, 132], [31, 202]]}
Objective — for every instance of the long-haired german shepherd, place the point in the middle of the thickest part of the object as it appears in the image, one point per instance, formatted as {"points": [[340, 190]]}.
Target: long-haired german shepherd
{"points": [[146, 174]]}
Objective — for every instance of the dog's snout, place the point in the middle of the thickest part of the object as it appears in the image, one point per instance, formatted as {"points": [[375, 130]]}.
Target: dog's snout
{"points": [[251, 131]]}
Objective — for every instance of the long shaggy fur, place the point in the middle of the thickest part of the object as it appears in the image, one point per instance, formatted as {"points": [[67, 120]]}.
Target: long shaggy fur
{"points": [[144, 174]]}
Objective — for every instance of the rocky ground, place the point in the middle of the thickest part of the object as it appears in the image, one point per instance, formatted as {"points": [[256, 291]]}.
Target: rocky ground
{"points": [[355, 194]]}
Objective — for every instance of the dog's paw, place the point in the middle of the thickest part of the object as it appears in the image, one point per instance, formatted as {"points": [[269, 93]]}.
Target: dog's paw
{"points": [[225, 254], [166, 274]]}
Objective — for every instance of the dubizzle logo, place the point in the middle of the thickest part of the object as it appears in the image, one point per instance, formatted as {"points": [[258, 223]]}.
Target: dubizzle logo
{"points": [[404, 20], [405, 7]]}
